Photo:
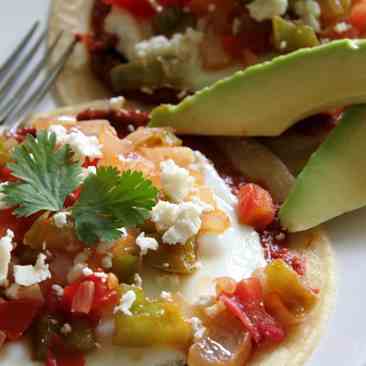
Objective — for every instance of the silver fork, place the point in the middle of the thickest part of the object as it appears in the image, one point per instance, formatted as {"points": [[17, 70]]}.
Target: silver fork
{"points": [[17, 101]]}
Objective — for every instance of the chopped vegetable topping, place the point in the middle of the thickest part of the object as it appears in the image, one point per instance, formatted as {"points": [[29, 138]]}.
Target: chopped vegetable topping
{"points": [[246, 303], [108, 201], [255, 207]]}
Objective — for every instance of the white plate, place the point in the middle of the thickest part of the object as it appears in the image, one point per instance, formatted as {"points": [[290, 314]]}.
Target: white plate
{"points": [[344, 343]]}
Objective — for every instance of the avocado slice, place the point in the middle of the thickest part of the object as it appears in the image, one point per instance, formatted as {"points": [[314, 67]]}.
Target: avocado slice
{"points": [[266, 99], [333, 181]]}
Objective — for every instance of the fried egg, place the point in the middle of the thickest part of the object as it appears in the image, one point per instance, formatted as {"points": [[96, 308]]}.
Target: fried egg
{"points": [[236, 253]]}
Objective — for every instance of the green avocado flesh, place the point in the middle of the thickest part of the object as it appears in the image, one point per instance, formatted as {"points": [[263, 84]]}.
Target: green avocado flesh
{"points": [[334, 180], [268, 98]]}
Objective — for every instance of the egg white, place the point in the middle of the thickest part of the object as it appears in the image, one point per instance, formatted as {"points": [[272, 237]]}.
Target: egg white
{"points": [[235, 253]]}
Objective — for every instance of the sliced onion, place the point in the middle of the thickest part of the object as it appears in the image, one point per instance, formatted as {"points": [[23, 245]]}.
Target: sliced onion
{"points": [[211, 351], [183, 156], [215, 222], [258, 164], [280, 312], [151, 137], [83, 299]]}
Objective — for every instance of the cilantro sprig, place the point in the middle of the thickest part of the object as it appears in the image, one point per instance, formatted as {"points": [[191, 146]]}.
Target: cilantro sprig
{"points": [[47, 175], [108, 201]]}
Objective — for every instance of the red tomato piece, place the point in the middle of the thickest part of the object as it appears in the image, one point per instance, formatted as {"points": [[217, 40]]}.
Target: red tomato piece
{"points": [[88, 162], [22, 133], [16, 316], [255, 206], [358, 16], [72, 198], [103, 296], [138, 8], [6, 175], [246, 303]]}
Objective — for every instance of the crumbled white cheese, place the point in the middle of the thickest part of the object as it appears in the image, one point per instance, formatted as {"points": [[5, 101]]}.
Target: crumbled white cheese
{"points": [[30, 275], [146, 243], [82, 145], [60, 132], [179, 221], [126, 303], [101, 275], [3, 203], [164, 214], [179, 46], [283, 45], [86, 271], [66, 329], [123, 231], [138, 280], [165, 295], [6, 247], [206, 300], [198, 328], [58, 290], [187, 224], [117, 103], [176, 182], [88, 171], [266, 9], [342, 27], [107, 262], [309, 11], [60, 219], [205, 207]]}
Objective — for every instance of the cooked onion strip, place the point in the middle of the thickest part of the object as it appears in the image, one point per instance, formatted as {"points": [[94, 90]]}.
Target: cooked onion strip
{"points": [[258, 164]]}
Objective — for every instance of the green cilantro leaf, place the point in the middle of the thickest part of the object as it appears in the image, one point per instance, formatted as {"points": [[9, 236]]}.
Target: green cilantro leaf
{"points": [[109, 201], [47, 175]]}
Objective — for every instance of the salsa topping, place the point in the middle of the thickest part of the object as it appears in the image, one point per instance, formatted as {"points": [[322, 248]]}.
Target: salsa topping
{"points": [[230, 35], [82, 220]]}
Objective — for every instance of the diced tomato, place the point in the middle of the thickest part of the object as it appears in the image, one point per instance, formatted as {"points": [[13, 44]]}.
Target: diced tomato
{"points": [[138, 8], [72, 198], [16, 316], [88, 162], [6, 174], [358, 16], [246, 303], [255, 206], [103, 298], [22, 133]]}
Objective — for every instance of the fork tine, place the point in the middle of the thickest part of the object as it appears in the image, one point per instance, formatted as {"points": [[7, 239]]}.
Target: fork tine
{"points": [[18, 49], [6, 85], [13, 120], [22, 89]]}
